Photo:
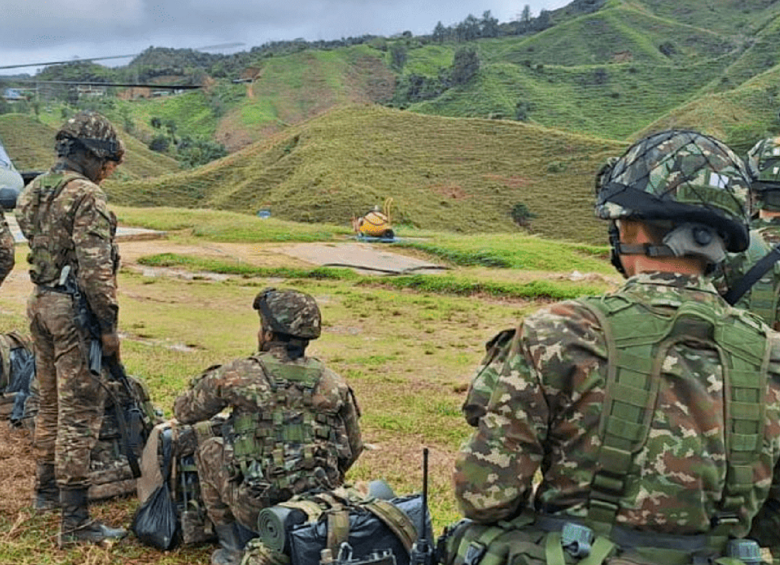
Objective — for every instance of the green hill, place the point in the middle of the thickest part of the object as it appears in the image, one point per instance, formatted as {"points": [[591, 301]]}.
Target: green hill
{"points": [[453, 174], [30, 144]]}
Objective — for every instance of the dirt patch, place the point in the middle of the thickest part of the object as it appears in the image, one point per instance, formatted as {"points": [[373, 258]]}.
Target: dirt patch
{"points": [[450, 191]]}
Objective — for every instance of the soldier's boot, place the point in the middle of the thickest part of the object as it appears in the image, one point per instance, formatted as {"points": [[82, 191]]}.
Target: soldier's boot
{"points": [[232, 539], [77, 526], [47, 493]]}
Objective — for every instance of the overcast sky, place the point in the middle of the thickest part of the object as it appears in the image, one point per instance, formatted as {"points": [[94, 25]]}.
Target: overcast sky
{"points": [[33, 31]]}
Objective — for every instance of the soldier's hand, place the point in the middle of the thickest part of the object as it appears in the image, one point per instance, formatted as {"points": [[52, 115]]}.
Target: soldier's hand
{"points": [[110, 343]]}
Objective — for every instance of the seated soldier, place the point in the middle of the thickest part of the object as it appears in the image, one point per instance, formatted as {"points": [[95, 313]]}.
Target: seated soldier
{"points": [[293, 425], [651, 413]]}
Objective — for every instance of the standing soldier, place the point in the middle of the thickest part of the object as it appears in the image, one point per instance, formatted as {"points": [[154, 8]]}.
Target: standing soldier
{"points": [[293, 425], [63, 215], [652, 413]]}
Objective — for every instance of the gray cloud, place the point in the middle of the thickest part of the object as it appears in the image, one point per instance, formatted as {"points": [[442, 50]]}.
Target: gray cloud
{"points": [[42, 30]]}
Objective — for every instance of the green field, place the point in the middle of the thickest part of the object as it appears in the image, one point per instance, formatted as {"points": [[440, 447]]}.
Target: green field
{"points": [[399, 341]]}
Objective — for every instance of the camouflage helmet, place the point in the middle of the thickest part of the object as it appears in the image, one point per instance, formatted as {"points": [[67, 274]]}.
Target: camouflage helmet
{"points": [[289, 312], [682, 177], [94, 132], [763, 162]]}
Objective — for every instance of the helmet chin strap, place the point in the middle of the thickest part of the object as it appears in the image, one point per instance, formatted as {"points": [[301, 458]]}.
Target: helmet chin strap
{"points": [[646, 249]]}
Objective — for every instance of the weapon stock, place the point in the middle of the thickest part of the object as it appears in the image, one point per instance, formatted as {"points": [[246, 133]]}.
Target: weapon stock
{"points": [[129, 415]]}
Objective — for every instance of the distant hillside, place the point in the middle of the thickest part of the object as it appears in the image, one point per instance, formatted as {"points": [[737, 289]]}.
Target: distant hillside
{"points": [[740, 116], [30, 144], [463, 175]]}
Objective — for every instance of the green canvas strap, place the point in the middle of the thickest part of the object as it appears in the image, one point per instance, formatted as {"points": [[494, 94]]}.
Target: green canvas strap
{"points": [[395, 519], [763, 299], [338, 528], [745, 379], [632, 337]]}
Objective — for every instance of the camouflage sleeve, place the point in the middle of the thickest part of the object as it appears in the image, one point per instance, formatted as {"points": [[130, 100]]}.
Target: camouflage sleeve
{"points": [[204, 398], [93, 239], [495, 467], [24, 210], [484, 380], [7, 249]]}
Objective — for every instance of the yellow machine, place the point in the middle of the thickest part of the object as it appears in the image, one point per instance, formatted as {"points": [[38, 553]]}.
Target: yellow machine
{"points": [[375, 224]]}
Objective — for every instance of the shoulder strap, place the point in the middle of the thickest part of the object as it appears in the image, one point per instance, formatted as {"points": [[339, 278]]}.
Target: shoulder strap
{"points": [[395, 519], [631, 393], [753, 275]]}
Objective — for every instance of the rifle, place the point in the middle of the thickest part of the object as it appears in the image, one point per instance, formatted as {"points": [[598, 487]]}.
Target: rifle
{"points": [[422, 551], [129, 414]]}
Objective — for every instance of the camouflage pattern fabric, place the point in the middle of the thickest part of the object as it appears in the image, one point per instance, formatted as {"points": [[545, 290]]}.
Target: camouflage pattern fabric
{"points": [[7, 243], [768, 229], [761, 299], [65, 218], [68, 223], [94, 132], [680, 176], [71, 399], [244, 386], [546, 405], [256, 553], [289, 312]]}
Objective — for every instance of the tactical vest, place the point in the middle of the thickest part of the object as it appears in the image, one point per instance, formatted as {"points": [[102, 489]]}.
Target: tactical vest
{"points": [[288, 446], [638, 340], [51, 248]]}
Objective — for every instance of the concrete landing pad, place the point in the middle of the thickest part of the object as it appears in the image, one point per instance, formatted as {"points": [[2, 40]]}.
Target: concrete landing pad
{"points": [[365, 258], [122, 234]]}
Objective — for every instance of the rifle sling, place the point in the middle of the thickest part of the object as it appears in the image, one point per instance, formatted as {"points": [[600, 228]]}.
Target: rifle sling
{"points": [[756, 272], [132, 460]]}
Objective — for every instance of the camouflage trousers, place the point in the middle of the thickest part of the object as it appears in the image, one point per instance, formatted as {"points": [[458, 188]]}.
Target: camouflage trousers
{"points": [[226, 497], [71, 398]]}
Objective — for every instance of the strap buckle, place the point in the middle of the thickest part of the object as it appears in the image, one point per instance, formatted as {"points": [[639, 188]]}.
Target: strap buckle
{"points": [[577, 539], [746, 550], [474, 553]]}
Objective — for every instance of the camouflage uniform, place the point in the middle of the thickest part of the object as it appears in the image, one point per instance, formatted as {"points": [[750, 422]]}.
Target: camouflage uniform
{"points": [[547, 402], [768, 229], [293, 424], [630, 406], [7, 258], [79, 231], [762, 298], [64, 216]]}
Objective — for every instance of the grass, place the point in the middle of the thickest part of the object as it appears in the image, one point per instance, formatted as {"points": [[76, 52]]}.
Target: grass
{"points": [[443, 174], [513, 252], [438, 284], [224, 226], [407, 345]]}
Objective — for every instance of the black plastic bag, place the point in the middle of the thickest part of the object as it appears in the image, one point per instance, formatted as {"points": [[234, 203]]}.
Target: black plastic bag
{"points": [[156, 522]]}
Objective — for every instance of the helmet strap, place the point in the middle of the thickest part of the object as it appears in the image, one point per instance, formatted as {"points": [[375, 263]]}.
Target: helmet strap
{"points": [[646, 249]]}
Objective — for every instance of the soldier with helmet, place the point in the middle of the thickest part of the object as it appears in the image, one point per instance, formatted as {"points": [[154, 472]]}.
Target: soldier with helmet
{"points": [[751, 279], [64, 216], [763, 163], [293, 423], [652, 413]]}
